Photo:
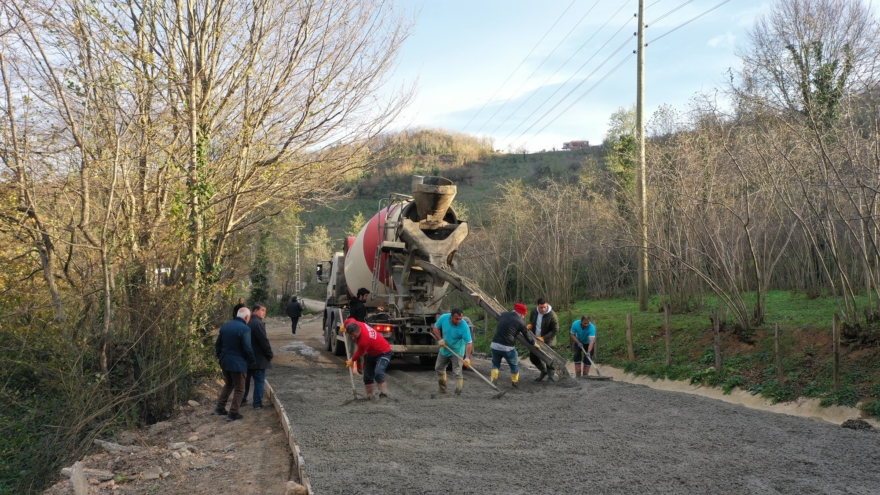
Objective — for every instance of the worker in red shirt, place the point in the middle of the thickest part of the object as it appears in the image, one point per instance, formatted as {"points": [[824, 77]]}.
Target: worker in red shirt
{"points": [[376, 352]]}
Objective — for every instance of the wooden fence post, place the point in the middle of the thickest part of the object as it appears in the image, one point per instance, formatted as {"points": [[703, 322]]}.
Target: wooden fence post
{"points": [[668, 336], [716, 329], [780, 376], [629, 337], [835, 345]]}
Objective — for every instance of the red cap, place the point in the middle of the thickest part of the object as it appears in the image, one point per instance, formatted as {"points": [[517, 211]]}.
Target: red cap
{"points": [[520, 308]]}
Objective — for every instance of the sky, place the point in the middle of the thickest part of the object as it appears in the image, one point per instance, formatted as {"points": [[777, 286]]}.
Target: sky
{"points": [[491, 67]]}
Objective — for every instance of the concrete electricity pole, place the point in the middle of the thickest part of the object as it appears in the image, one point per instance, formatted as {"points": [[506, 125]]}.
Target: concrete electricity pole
{"points": [[296, 290], [640, 136]]}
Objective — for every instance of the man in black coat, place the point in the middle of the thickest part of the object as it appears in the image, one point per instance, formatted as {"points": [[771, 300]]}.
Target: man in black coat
{"points": [[262, 353], [233, 349], [237, 307], [294, 311], [544, 324], [358, 308]]}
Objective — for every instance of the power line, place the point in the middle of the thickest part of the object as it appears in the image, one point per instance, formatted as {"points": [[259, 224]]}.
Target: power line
{"points": [[612, 71], [574, 88], [538, 68], [560, 68], [569, 79], [687, 22], [520, 64], [664, 16]]}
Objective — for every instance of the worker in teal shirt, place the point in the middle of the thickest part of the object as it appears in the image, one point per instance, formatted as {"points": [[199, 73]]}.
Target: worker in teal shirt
{"points": [[454, 336], [583, 333]]}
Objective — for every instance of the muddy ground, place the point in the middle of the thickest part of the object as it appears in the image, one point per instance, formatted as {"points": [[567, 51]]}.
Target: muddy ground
{"points": [[592, 437]]}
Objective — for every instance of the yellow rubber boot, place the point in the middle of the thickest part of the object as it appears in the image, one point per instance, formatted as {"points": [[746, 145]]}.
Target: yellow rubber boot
{"points": [[494, 377], [514, 379], [458, 387], [441, 380]]}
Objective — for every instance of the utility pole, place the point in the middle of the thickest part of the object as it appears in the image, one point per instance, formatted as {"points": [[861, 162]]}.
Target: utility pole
{"points": [[296, 290], [640, 137]]}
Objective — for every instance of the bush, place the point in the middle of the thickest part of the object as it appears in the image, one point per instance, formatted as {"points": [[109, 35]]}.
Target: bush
{"points": [[872, 408]]}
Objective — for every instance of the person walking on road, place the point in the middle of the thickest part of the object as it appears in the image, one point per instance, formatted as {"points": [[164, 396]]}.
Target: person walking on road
{"points": [[545, 325], [238, 306], [262, 353], [583, 341], [503, 345], [233, 349], [294, 310], [452, 334], [377, 355]]}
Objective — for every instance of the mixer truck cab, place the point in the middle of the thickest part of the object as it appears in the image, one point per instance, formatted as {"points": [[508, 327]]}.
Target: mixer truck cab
{"points": [[402, 255]]}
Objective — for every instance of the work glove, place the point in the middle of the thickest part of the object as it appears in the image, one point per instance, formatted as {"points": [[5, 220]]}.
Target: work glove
{"points": [[349, 364], [541, 339], [536, 345], [467, 363], [529, 326], [441, 343]]}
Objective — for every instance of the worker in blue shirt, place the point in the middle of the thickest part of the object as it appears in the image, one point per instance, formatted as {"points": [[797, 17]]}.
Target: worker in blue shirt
{"points": [[583, 340]]}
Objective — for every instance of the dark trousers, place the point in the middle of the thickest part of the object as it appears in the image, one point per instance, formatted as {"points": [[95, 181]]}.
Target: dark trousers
{"points": [[293, 323], [233, 381], [538, 363], [259, 377]]}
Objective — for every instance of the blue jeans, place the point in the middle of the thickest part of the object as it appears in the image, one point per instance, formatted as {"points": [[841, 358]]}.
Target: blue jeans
{"points": [[259, 377], [510, 356], [374, 368]]}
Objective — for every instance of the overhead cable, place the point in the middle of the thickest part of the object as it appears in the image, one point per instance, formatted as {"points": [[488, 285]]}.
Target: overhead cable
{"points": [[570, 78], [520, 64], [538, 67], [687, 22], [575, 88], [560, 68], [612, 71]]}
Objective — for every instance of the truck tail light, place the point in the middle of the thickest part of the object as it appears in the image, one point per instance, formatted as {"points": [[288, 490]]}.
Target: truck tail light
{"points": [[383, 328]]}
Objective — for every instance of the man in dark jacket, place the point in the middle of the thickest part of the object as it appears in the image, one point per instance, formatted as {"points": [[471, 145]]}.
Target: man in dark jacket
{"points": [[262, 353], [233, 349], [294, 311], [544, 323], [503, 345], [358, 307], [237, 307]]}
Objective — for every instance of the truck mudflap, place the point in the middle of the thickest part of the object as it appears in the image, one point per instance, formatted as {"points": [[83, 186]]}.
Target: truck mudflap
{"points": [[545, 353]]}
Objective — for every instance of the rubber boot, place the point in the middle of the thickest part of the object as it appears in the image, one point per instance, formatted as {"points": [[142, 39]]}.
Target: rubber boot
{"points": [[369, 390], [578, 370], [541, 376], [441, 380], [458, 387], [383, 391], [514, 380], [493, 377]]}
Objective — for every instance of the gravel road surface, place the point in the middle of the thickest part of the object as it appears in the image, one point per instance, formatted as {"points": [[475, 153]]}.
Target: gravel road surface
{"points": [[588, 437]]}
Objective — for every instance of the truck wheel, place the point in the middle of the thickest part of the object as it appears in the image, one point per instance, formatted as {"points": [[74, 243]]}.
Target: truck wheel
{"points": [[326, 338], [337, 343]]}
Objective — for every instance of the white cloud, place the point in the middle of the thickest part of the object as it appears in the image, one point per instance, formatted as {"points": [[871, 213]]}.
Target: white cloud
{"points": [[725, 40]]}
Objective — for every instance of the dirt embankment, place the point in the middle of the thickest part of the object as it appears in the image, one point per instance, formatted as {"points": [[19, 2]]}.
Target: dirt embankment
{"points": [[194, 452], [596, 437]]}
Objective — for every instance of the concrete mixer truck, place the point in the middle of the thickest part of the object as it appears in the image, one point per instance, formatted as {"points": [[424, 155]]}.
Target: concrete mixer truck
{"points": [[404, 257]]}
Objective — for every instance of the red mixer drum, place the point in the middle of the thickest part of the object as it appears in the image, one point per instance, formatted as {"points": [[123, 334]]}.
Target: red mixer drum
{"points": [[361, 256]]}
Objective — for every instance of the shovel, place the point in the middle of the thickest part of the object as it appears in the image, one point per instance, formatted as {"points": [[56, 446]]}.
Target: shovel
{"points": [[500, 392], [593, 365], [350, 372]]}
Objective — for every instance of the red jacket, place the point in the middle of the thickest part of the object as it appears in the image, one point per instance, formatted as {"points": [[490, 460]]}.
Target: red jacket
{"points": [[369, 342]]}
